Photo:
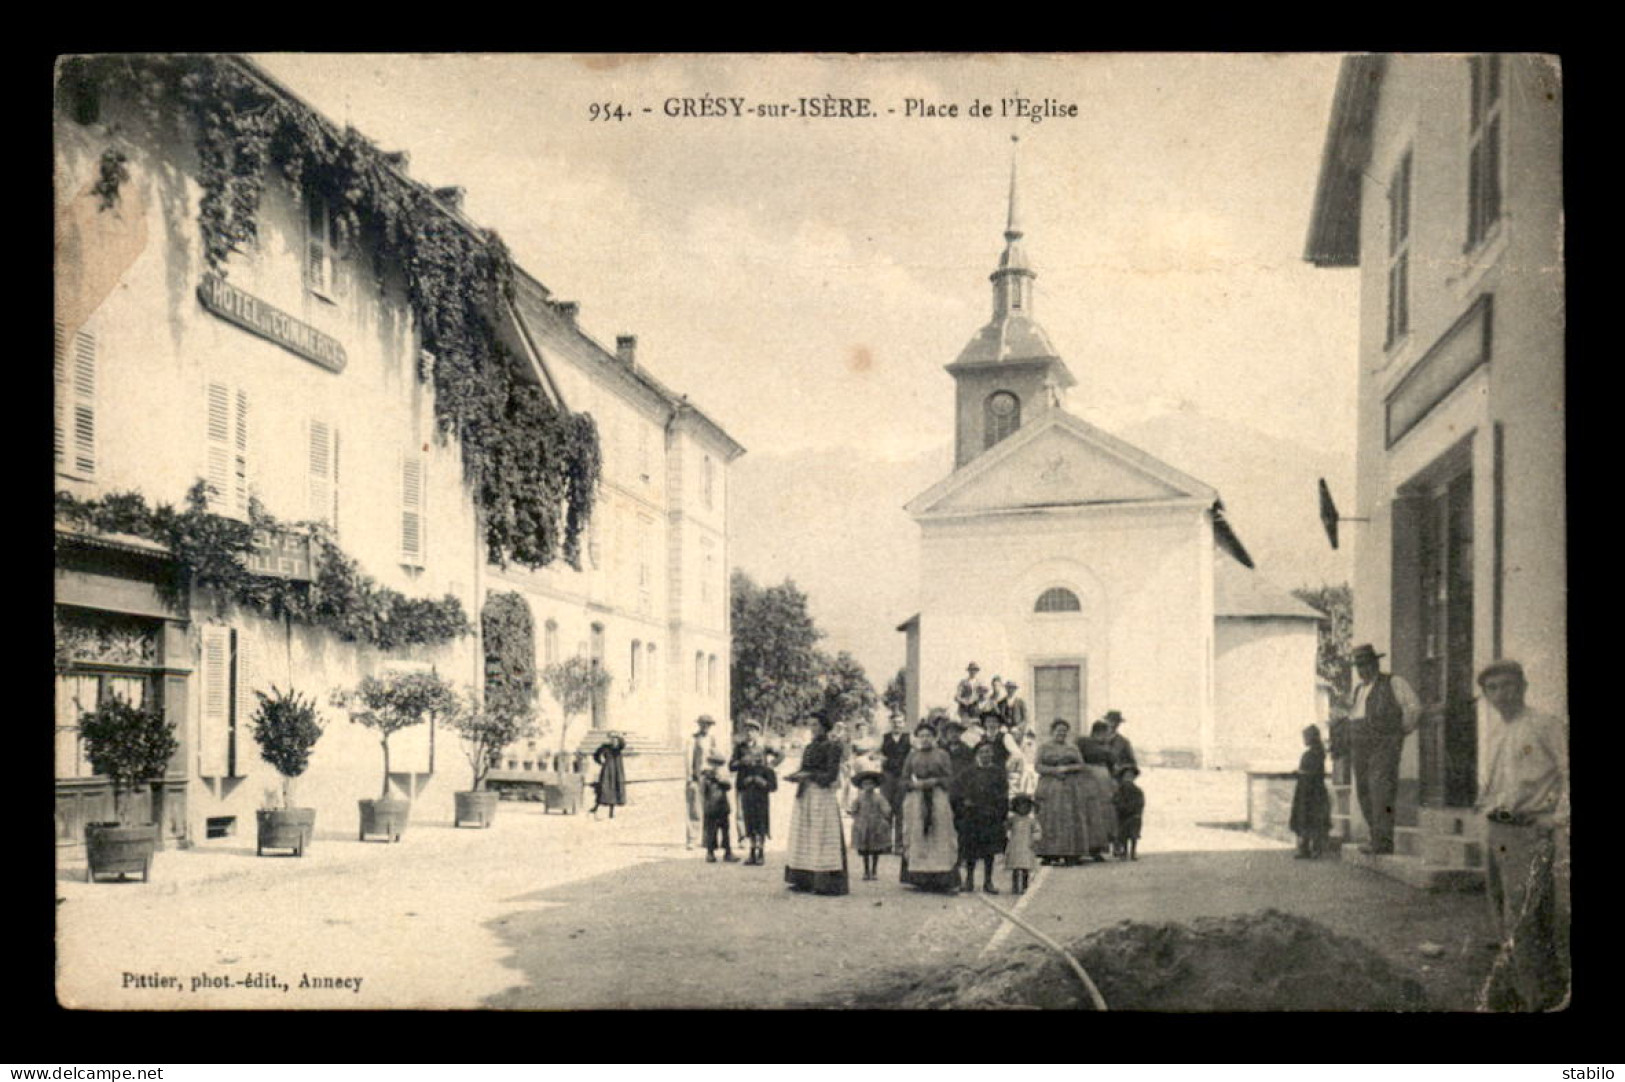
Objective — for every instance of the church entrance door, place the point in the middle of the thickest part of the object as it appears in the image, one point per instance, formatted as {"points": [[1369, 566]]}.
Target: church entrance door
{"points": [[1058, 693]]}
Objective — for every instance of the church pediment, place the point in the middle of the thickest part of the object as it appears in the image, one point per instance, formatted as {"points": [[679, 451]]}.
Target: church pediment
{"points": [[1058, 460]]}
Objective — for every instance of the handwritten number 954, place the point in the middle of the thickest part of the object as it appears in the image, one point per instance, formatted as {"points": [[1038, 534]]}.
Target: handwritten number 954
{"points": [[606, 111]]}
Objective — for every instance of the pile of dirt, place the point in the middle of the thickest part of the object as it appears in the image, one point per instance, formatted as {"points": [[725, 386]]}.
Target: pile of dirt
{"points": [[1265, 961]]}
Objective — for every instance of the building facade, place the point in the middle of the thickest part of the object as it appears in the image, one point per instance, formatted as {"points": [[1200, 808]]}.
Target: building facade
{"points": [[297, 382], [1442, 181], [1088, 571]]}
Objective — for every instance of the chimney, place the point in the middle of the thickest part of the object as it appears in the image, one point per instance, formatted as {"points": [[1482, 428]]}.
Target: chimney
{"points": [[626, 348], [400, 159], [567, 309], [452, 195]]}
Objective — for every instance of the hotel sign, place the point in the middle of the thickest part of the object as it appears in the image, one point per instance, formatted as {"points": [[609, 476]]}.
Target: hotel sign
{"points": [[281, 555], [252, 314], [1453, 358]]}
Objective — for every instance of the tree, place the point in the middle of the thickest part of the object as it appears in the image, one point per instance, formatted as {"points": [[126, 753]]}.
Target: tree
{"points": [[775, 658], [1336, 603], [895, 697], [286, 726], [574, 683], [129, 744], [846, 693], [400, 700], [506, 716]]}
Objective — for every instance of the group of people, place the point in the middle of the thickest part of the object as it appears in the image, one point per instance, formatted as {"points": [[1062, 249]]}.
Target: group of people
{"points": [[1524, 800], [956, 793]]}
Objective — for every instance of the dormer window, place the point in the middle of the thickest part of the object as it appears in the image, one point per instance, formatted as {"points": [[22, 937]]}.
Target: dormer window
{"points": [[326, 269]]}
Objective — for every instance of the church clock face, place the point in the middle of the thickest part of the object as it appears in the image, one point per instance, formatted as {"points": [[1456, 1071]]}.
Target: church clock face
{"points": [[1003, 404], [1003, 416]]}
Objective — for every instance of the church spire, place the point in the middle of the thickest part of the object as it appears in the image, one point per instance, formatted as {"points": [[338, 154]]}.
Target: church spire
{"points": [[1013, 281]]}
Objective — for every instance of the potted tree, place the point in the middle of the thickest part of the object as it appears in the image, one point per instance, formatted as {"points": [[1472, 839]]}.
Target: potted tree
{"points": [[574, 682], [505, 717], [390, 703], [131, 745], [286, 727]]}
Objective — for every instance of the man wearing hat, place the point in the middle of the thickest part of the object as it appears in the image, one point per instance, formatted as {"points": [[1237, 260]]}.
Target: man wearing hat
{"points": [[1526, 804], [700, 751], [1015, 709], [1118, 744], [749, 744], [1382, 712], [965, 696]]}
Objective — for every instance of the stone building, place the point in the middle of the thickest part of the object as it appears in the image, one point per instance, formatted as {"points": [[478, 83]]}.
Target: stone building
{"points": [[1442, 182], [1095, 575], [295, 378]]}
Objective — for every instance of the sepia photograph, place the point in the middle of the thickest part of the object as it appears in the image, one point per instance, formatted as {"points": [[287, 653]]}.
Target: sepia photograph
{"points": [[838, 531]]}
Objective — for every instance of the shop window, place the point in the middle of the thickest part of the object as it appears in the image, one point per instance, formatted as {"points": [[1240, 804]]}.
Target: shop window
{"points": [[100, 656]]}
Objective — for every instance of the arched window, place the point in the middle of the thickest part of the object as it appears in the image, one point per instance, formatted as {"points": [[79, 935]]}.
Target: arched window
{"points": [[711, 676], [1003, 416], [1058, 599]]}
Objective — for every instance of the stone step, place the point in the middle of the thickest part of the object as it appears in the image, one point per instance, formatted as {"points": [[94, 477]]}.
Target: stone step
{"points": [[1414, 872]]}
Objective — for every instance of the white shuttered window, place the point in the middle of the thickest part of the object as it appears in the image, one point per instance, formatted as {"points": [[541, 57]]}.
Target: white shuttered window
{"points": [[74, 432], [226, 428], [323, 473], [413, 498], [228, 703]]}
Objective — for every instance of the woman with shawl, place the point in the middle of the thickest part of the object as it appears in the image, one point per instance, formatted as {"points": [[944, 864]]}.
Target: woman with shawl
{"points": [[1061, 818], [609, 791], [817, 860], [930, 845], [1311, 805], [1098, 789]]}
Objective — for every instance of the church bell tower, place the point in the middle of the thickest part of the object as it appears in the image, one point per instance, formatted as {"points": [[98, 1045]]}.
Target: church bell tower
{"points": [[1009, 373]]}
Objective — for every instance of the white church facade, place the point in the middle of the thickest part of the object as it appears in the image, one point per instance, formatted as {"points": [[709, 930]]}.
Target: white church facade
{"points": [[1093, 574]]}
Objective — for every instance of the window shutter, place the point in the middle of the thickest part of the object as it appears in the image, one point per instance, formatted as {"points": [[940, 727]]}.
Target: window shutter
{"points": [[412, 540], [218, 429], [59, 369], [240, 442], [335, 514], [238, 741], [321, 471], [215, 718], [84, 404]]}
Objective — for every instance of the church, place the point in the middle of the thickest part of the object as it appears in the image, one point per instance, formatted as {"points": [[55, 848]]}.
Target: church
{"points": [[1093, 574]]}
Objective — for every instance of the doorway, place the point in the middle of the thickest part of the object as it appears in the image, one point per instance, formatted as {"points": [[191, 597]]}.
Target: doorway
{"points": [[1058, 693]]}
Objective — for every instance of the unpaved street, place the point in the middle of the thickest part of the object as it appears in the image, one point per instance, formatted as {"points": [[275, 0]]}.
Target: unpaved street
{"points": [[551, 911]]}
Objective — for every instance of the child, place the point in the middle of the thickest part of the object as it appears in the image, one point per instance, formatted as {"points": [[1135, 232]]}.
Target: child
{"points": [[1311, 805], [756, 780], [981, 801], [714, 801], [871, 821], [1018, 851], [1130, 804]]}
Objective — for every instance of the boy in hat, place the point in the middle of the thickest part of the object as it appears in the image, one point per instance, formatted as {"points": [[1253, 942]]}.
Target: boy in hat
{"points": [[871, 820], [965, 697], [715, 799], [757, 780], [1130, 804], [1023, 831]]}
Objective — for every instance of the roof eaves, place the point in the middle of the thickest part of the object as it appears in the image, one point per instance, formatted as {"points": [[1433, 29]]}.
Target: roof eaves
{"points": [[1334, 229]]}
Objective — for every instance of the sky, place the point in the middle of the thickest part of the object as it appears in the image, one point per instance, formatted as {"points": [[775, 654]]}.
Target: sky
{"points": [[805, 279]]}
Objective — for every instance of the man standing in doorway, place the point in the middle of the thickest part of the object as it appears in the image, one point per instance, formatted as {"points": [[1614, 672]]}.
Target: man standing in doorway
{"points": [[1383, 712], [1526, 807], [700, 751]]}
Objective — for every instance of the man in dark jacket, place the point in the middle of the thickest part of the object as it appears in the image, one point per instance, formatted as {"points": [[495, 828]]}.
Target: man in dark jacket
{"points": [[1383, 711]]}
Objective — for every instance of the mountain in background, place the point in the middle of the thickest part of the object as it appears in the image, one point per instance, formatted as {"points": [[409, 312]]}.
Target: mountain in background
{"points": [[833, 520]]}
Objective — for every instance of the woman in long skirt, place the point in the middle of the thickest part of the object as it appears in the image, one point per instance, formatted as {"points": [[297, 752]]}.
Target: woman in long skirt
{"points": [[1098, 789], [1062, 823], [1311, 805], [817, 859], [930, 844], [609, 791]]}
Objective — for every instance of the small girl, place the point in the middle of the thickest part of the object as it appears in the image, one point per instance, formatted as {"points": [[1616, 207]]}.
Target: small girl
{"points": [[1311, 805], [871, 821], [1023, 832], [1130, 804]]}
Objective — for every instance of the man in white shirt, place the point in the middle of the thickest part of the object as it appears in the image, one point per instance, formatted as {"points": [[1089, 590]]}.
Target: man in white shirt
{"points": [[700, 751], [1383, 712], [1525, 802]]}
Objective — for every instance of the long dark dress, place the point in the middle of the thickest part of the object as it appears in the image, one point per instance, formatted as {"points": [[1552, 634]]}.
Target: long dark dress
{"points": [[756, 781], [930, 846], [1311, 804], [611, 784], [981, 803], [1097, 792], [1063, 827], [817, 860]]}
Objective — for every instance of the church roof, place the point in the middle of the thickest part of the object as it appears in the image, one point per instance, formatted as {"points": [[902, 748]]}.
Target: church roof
{"points": [[1007, 338], [1242, 594]]}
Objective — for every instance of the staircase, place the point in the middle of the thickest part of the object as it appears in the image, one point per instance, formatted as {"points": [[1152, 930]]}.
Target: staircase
{"points": [[1435, 849], [647, 758]]}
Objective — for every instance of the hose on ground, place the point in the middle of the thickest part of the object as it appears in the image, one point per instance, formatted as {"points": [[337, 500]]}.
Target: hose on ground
{"points": [[1066, 956]]}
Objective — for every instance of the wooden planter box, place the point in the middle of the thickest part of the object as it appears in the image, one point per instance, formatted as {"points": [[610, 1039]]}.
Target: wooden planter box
{"points": [[114, 849], [383, 817], [477, 807], [284, 828]]}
